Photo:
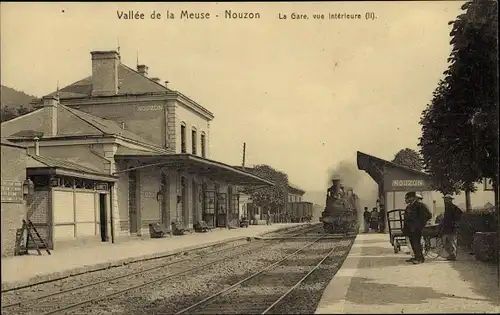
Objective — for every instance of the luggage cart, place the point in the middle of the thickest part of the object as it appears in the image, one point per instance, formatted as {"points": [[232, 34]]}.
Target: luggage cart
{"points": [[395, 220]]}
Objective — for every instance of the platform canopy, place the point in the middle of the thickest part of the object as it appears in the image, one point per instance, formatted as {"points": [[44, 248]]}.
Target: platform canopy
{"points": [[392, 176], [192, 164]]}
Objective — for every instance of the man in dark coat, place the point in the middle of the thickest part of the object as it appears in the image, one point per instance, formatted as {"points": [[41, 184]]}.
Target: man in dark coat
{"points": [[448, 227], [366, 218], [416, 217], [374, 219]]}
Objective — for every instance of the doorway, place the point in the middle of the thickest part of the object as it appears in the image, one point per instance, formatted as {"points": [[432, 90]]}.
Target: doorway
{"points": [[165, 209], [195, 198], [221, 210], [103, 217], [132, 201], [184, 202]]}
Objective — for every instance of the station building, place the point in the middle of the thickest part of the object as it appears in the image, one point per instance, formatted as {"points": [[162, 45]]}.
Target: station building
{"points": [[394, 181], [295, 193], [118, 150]]}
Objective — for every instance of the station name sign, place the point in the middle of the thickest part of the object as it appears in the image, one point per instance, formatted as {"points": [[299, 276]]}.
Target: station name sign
{"points": [[149, 108], [408, 183]]}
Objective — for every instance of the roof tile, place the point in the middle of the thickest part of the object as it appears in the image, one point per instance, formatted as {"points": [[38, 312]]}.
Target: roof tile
{"points": [[45, 161]]}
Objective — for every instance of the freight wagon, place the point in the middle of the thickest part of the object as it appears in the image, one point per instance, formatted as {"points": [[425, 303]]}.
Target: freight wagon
{"points": [[300, 211]]}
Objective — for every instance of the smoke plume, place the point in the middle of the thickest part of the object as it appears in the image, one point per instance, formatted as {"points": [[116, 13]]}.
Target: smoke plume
{"points": [[364, 186]]}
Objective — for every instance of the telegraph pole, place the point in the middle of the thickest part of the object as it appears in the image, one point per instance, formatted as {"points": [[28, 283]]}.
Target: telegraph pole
{"points": [[244, 151]]}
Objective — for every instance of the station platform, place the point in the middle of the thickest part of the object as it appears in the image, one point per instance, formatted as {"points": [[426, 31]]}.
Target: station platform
{"points": [[30, 269], [374, 280]]}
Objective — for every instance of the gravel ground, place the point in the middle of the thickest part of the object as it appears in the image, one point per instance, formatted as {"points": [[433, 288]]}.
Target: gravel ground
{"points": [[82, 280], [255, 295], [305, 298], [180, 292], [166, 296]]}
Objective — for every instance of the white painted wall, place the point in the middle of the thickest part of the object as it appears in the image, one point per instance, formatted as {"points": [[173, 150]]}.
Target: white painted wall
{"points": [[192, 119]]}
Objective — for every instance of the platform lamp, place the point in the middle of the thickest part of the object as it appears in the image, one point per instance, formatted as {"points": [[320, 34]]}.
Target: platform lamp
{"points": [[28, 188]]}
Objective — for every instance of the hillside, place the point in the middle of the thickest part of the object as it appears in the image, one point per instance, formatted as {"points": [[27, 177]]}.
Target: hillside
{"points": [[13, 98], [14, 103]]}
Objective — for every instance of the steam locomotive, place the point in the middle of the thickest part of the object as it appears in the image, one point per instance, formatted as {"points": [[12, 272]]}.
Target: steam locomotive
{"points": [[341, 211]]}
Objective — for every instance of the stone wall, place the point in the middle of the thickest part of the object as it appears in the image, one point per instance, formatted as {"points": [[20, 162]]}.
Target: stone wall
{"points": [[13, 207]]}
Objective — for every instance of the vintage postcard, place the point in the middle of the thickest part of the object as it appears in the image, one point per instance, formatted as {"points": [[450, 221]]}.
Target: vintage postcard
{"points": [[249, 157]]}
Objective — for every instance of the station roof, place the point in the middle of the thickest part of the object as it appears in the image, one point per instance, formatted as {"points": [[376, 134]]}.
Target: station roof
{"points": [[194, 164], [44, 165], [291, 187], [375, 167], [295, 189]]}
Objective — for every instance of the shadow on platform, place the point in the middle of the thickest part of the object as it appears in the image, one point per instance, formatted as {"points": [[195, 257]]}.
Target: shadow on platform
{"points": [[384, 294], [481, 276]]}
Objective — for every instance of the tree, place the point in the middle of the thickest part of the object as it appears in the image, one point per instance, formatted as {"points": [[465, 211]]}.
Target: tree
{"points": [[459, 127], [270, 198], [409, 158], [7, 113]]}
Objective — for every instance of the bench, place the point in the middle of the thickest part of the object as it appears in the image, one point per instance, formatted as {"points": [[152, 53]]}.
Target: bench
{"points": [[178, 229], [202, 226], [157, 230], [244, 223]]}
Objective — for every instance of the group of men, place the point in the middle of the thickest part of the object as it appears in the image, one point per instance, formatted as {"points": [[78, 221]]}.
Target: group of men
{"points": [[416, 217], [373, 220]]}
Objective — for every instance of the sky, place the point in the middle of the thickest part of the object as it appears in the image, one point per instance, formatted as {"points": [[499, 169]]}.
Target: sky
{"points": [[304, 95]]}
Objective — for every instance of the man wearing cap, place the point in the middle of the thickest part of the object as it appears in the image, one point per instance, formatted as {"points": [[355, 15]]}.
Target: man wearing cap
{"points": [[416, 216], [448, 226]]}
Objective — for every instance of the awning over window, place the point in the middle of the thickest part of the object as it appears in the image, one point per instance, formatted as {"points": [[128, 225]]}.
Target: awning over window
{"points": [[44, 165], [194, 164]]}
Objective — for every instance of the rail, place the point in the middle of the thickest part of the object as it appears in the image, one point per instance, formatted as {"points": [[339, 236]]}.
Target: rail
{"points": [[143, 271], [200, 304]]}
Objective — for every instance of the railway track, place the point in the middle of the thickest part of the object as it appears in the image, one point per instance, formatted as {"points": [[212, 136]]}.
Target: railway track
{"points": [[57, 302], [239, 298]]}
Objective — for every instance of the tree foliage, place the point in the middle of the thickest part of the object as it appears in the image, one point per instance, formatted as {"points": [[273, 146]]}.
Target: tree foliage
{"points": [[8, 113], [459, 126], [409, 158], [269, 197]]}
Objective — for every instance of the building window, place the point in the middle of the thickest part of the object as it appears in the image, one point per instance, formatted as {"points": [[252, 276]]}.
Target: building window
{"points": [[235, 204], [208, 202], [203, 143], [183, 139], [193, 140], [222, 203]]}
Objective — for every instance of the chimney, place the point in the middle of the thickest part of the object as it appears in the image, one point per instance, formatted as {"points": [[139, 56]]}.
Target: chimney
{"points": [[157, 80], [143, 69], [166, 83], [37, 146], [105, 72], [50, 105]]}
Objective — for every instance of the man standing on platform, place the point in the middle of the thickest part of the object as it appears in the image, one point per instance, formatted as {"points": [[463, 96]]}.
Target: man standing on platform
{"points": [[381, 219], [366, 218], [374, 219], [415, 220], [448, 226]]}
